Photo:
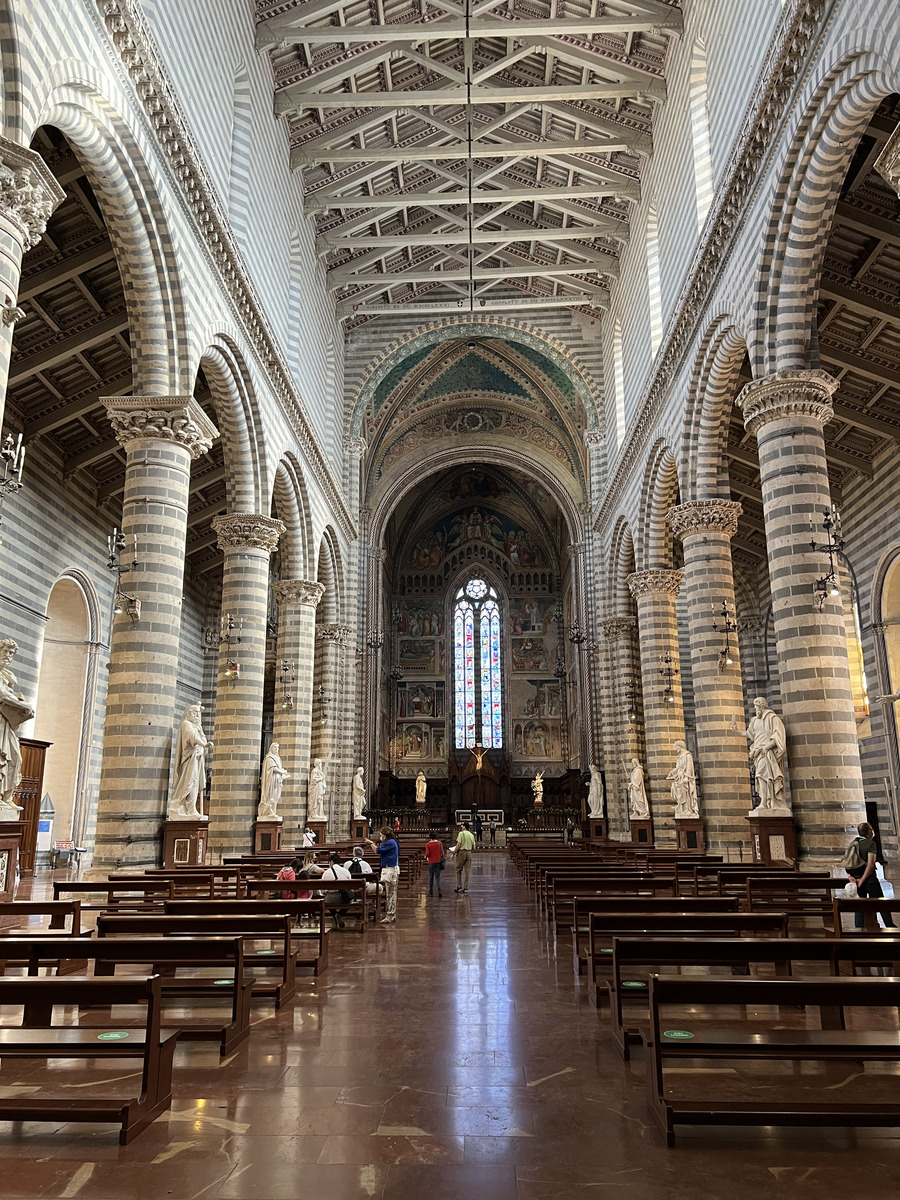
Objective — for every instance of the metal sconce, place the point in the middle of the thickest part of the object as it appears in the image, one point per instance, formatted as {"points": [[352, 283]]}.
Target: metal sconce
{"points": [[228, 639], [827, 585], [579, 638], [631, 699], [324, 701], [122, 600], [728, 627], [287, 679], [13, 457], [668, 672]]}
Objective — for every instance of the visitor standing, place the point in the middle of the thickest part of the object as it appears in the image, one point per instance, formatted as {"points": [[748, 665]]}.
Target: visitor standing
{"points": [[859, 862], [465, 844], [388, 851], [570, 831], [479, 830], [434, 856], [492, 829]]}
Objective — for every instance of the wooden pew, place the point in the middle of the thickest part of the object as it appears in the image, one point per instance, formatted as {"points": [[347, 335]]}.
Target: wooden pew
{"points": [[165, 953], [564, 892], [252, 927], [123, 893], [797, 895], [14, 915], [603, 927], [635, 959], [38, 1038], [756, 1040], [363, 907], [188, 883], [870, 910], [310, 937], [548, 878]]}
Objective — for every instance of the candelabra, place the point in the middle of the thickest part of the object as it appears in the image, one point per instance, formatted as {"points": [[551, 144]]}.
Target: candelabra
{"points": [[324, 701], [579, 638], [827, 585], [668, 671], [229, 640], [728, 627], [631, 699], [375, 641], [13, 456], [287, 679], [116, 544]]}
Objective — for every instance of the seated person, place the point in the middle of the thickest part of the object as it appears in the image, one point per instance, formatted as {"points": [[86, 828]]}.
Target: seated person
{"points": [[357, 865], [336, 901]]}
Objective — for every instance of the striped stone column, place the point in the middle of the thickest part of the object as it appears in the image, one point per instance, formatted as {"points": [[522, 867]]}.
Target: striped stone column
{"points": [[787, 413], [297, 600], [28, 195], [247, 541], [621, 632], [705, 529], [160, 434], [655, 592], [331, 730]]}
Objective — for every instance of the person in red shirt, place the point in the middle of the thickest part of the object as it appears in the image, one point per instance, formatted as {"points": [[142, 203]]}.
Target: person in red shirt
{"points": [[434, 856]]}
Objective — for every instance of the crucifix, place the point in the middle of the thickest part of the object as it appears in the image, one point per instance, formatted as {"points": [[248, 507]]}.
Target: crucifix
{"points": [[479, 752]]}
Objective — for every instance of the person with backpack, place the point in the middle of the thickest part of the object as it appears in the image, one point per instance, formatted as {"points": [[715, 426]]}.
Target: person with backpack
{"points": [[357, 866], [434, 856], [336, 901], [859, 863]]}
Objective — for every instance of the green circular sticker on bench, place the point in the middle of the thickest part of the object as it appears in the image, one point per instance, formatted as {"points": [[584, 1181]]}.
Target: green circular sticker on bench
{"points": [[111, 1037], [268, 951], [634, 983], [223, 983], [678, 1035], [605, 951]]}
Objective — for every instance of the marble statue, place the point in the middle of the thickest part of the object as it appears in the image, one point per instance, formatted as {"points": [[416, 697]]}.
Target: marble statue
{"points": [[191, 749], [768, 745], [421, 787], [537, 786], [595, 793], [317, 788], [891, 699], [638, 807], [273, 777], [358, 798], [684, 783], [13, 712]]}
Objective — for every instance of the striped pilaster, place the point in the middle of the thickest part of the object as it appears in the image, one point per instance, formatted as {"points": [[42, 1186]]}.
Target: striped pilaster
{"points": [[787, 412], [621, 633], [160, 436], [297, 600], [329, 726], [655, 593], [247, 541], [28, 195], [705, 528]]}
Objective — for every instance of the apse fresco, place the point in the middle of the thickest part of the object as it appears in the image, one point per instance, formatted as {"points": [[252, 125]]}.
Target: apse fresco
{"points": [[476, 523]]}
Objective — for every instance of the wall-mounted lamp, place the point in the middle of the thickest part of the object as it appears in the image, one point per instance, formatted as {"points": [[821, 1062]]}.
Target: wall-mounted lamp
{"points": [[229, 640], [116, 544], [668, 671], [286, 677], [827, 585], [728, 627]]}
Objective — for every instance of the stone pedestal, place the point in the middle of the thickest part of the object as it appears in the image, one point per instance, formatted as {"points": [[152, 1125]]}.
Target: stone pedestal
{"points": [[266, 836], [595, 827], [320, 829], [12, 831], [359, 828], [689, 833], [642, 832], [772, 837], [184, 843]]}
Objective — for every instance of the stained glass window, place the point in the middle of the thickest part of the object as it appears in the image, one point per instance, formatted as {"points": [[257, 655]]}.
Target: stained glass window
{"points": [[478, 691]]}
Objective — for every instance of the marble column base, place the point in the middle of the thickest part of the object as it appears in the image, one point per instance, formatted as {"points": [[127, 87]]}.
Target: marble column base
{"points": [[184, 842], [595, 828], [11, 834], [642, 832], [359, 828], [266, 836], [772, 837], [320, 829], [689, 833]]}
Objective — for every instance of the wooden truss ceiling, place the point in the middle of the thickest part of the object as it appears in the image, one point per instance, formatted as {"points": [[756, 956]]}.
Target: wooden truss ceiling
{"points": [[468, 155], [858, 335]]}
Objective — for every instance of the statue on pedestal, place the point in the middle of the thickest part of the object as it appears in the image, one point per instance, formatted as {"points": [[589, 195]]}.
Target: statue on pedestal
{"points": [[421, 787], [273, 777], [684, 783], [190, 768], [595, 793], [14, 711], [638, 806], [768, 746], [316, 795], [537, 786], [358, 797]]}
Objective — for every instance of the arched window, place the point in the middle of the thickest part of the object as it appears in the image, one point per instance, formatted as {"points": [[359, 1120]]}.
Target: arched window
{"points": [[476, 634]]}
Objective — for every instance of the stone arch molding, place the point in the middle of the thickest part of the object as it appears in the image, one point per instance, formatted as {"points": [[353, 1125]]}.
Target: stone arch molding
{"points": [[703, 462], [292, 499], [116, 155], [467, 325], [240, 424], [653, 547]]}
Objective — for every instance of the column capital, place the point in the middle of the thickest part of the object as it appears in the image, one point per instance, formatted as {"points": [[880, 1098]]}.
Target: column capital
{"points": [[248, 531], [618, 627], [29, 191], [654, 583], [377, 552], [176, 419], [593, 437], [787, 394], [887, 164], [355, 446], [704, 516], [304, 592], [339, 634]]}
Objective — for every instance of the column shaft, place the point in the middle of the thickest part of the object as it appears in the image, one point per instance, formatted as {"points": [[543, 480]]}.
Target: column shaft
{"points": [[620, 635], [328, 721], [787, 412]]}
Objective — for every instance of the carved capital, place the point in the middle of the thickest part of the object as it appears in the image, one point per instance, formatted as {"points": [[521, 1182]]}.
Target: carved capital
{"points": [[751, 626], [594, 437], [176, 419], [618, 627], [11, 313], [355, 446], [338, 634], [377, 553], [787, 394], [704, 516], [654, 583], [28, 191], [887, 164], [295, 592], [247, 531]]}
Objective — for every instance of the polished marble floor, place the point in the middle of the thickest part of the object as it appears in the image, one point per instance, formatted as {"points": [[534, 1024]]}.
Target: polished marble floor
{"points": [[447, 1058]]}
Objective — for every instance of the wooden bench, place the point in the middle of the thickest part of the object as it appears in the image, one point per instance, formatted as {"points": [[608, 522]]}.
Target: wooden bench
{"points": [[552, 880], [362, 906], [15, 914], [564, 892], [797, 895], [187, 883], [869, 909], [635, 959], [175, 953], [250, 926], [758, 1041], [312, 936], [603, 927], [123, 893], [38, 1038]]}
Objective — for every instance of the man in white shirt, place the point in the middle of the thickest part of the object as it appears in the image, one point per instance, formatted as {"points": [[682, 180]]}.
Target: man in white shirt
{"points": [[357, 865], [336, 871]]}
